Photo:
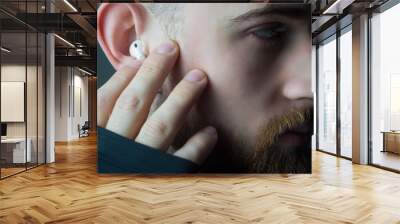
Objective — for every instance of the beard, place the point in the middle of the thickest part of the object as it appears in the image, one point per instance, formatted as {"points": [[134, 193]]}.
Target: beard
{"points": [[272, 156], [234, 153]]}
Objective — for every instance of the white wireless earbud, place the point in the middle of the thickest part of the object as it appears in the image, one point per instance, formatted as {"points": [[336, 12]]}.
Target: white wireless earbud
{"points": [[137, 50]]}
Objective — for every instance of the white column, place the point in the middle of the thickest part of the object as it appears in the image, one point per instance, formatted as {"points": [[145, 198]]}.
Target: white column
{"points": [[50, 99], [50, 92], [360, 90]]}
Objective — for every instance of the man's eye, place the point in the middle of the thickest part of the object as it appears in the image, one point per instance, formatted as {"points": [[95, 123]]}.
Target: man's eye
{"points": [[271, 31]]}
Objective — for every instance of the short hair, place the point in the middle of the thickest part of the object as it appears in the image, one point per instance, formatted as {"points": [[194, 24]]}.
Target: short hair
{"points": [[169, 16]]}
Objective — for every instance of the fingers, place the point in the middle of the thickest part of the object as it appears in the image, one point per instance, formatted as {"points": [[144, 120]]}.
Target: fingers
{"points": [[160, 129], [133, 105], [199, 146], [125, 100], [110, 91]]}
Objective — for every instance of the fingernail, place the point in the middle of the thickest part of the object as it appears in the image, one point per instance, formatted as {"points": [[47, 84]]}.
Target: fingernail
{"points": [[210, 130], [166, 48], [195, 76]]}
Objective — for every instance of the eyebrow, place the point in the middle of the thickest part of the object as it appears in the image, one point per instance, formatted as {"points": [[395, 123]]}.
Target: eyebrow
{"points": [[290, 10]]}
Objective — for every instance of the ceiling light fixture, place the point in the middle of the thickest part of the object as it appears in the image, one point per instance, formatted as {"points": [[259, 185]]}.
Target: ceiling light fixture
{"points": [[84, 71], [70, 5], [64, 40], [5, 49], [337, 7]]}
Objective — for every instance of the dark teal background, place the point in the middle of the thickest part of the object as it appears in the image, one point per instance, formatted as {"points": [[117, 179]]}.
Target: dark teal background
{"points": [[104, 68]]}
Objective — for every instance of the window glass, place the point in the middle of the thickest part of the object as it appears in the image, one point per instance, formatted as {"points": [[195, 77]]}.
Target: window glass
{"points": [[327, 96], [385, 86], [346, 94]]}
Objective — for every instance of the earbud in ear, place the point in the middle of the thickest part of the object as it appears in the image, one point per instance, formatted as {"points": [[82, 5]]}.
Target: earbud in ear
{"points": [[137, 50]]}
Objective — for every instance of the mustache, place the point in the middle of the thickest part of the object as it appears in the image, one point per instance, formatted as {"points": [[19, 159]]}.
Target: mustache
{"points": [[270, 157], [294, 119]]}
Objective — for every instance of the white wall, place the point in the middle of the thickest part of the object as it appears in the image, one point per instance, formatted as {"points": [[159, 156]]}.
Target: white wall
{"points": [[70, 83], [12, 73], [79, 117], [61, 103]]}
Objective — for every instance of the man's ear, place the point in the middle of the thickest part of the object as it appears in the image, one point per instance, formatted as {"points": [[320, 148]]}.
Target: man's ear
{"points": [[118, 25]]}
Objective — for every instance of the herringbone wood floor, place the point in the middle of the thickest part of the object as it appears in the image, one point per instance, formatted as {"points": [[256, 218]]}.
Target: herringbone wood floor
{"points": [[70, 191]]}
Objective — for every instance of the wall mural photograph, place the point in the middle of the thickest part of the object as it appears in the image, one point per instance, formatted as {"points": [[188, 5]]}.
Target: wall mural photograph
{"points": [[229, 94]]}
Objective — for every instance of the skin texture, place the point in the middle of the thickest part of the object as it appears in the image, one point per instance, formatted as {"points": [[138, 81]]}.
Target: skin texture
{"points": [[259, 79]]}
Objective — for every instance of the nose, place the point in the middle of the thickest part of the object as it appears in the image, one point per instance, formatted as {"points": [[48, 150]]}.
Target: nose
{"points": [[296, 73], [296, 88]]}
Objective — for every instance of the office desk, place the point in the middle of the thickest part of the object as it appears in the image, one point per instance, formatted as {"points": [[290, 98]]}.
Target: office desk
{"points": [[391, 141], [13, 150]]}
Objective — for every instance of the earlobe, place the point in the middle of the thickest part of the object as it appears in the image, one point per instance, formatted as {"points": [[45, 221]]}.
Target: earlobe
{"points": [[118, 26]]}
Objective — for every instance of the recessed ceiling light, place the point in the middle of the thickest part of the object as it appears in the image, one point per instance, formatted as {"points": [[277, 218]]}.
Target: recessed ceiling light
{"points": [[5, 49], [64, 40], [337, 7], [84, 71], [70, 5]]}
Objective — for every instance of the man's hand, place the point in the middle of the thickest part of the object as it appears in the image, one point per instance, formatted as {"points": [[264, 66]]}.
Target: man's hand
{"points": [[124, 103]]}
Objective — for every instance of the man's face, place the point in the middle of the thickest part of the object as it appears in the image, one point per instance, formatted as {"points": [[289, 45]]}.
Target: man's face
{"points": [[257, 58]]}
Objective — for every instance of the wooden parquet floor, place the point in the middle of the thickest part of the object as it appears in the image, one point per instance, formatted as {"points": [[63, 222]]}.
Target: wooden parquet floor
{"points": [[70, 191]]}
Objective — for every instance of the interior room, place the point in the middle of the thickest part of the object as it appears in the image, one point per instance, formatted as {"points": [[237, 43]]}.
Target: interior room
{"points": [[22, 100], [25, 64], [48, 150], [335, 103]]}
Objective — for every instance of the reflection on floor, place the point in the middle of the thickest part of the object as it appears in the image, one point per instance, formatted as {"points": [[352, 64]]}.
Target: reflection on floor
{"points": [[387, 159], [11, 169], [71, 191]]}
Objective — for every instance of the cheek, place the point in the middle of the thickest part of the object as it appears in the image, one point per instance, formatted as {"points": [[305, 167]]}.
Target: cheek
{"points": [[238, 81], [193, 50], [239, 74]]}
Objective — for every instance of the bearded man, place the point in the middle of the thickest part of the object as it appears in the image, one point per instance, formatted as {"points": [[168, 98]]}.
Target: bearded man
{"points": [[223, 88]]}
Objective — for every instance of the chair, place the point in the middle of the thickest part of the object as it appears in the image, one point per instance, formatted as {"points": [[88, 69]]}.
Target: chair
{"points": [[84, 130]]}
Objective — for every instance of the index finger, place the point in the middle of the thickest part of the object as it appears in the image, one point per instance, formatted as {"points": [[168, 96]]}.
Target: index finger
{"points": [[133, 105], [108, 94]]}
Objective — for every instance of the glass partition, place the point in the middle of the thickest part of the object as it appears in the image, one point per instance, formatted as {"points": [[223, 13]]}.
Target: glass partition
{"points": [[22, 88], [41, 96], [31, 99], [13, 109]]}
